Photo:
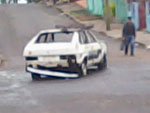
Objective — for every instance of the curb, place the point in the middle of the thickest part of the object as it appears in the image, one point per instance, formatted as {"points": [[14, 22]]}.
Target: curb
{"points": [[69, 16], [136, 42]]}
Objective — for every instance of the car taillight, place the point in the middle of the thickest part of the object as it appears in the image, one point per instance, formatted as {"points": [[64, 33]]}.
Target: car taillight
{"points": [[72, 56], [99, 51], [71, 59], [68, 57], [63, 57]]}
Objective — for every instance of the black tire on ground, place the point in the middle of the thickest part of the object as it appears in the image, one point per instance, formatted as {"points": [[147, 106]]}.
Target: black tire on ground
{"points": [[82, 69], [35, 76], [103, 63]]}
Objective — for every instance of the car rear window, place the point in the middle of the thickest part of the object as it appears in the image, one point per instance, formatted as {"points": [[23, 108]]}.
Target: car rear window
{"points": [[54, 37]]}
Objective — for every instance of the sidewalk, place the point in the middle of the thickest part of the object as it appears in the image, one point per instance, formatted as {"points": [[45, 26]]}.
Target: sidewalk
{"points": [[142, 38]]}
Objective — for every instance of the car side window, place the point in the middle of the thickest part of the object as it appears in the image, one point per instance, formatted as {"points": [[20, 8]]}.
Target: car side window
{"points": [[54, 37], [45, 38], [50, 38], [90, 36], [42, 38], [83, 38]]}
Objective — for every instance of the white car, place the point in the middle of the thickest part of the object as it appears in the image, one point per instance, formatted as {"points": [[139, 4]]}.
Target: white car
{"points": [[64, 53]]}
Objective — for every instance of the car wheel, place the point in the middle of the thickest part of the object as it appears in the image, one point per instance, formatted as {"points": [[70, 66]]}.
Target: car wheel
{"points": [[83, 69], [103, 63], [35, 76]]}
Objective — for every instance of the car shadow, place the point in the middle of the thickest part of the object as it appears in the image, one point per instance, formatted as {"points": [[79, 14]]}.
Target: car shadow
{"points": [[91, 72]]}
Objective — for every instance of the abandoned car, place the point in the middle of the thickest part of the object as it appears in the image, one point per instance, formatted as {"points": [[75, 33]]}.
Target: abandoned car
{"points": [[64, 53]]}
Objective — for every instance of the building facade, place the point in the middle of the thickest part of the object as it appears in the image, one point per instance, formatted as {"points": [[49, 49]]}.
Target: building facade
{"points": [[139, 10]]}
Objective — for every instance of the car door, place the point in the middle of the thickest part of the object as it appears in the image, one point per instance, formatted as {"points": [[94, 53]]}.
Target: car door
{"points": [[87, 47], [96, 49]]}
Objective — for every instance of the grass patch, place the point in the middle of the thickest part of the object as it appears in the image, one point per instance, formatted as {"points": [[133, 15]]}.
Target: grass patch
{"points": [[84, 15]]}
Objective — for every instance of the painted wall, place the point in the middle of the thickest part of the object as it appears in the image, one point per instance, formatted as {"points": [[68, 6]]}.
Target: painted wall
{"points": [[142, 15], [96, 7], [134, 13], [147, 16], [121, 11]]}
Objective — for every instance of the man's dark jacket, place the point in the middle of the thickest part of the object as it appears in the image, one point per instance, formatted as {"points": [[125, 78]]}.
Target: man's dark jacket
{"points": [[129, 30]]}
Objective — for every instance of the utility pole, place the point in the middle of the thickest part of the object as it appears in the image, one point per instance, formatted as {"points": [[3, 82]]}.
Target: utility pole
{"points": [[107, 15]]}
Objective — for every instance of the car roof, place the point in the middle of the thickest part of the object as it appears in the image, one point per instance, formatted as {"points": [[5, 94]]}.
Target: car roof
{"points": [[65, 29], [51, 31]]}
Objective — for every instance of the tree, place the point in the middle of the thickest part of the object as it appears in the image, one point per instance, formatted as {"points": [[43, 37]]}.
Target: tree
{"points": [[107, 15]]}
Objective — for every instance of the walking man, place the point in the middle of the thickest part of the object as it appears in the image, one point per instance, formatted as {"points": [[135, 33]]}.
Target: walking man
{"points": [[129, 34]]}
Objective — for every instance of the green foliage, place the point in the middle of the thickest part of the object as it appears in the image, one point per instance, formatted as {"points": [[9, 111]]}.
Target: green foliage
{"points": [[112, 9]]}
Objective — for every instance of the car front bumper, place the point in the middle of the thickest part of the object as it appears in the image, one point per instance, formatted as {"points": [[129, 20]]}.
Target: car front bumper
{"points": [[51, 73]]}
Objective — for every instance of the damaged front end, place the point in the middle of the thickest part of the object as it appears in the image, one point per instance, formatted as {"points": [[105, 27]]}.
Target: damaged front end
{"points": [[59, 66]]}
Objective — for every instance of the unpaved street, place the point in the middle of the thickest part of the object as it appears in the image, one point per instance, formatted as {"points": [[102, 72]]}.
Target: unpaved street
{"points": [[124, 87]]}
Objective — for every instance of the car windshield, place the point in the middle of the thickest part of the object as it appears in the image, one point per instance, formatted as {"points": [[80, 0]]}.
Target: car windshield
{"points": [[55, 37]]}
